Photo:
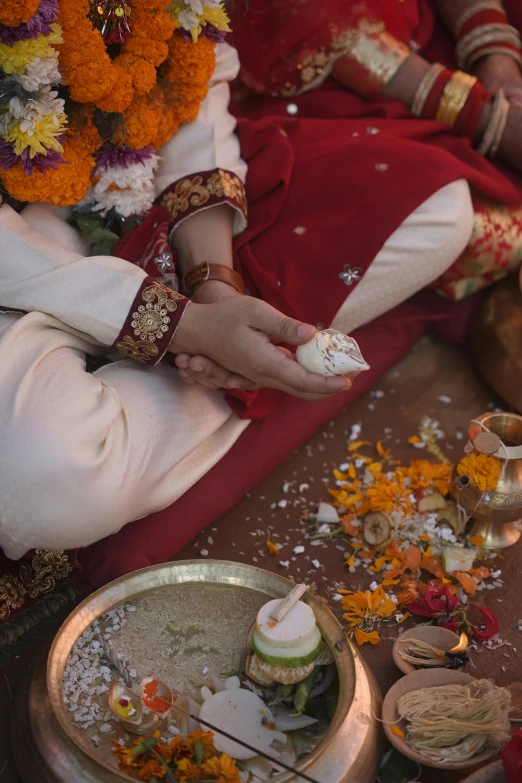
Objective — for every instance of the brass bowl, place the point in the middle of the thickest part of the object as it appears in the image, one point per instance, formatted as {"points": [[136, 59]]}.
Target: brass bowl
{"points": [[496, 512], [496, 341], [349, 751]]}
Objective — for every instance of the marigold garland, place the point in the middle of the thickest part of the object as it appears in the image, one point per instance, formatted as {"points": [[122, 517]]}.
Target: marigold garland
{"points": [[64, 186], [17, 12], [155, 81]]}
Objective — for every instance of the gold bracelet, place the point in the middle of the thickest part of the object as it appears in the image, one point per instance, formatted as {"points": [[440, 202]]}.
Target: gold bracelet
{"points": [[473, 10], [454, 97], [497, 123], [425, 87]]}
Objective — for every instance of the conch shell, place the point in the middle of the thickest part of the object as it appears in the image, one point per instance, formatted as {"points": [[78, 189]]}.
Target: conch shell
{"points": [[331, 353]]}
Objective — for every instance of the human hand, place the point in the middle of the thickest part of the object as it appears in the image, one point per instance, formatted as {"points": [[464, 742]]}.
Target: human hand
{"points": [[236, 333], [199, 369], [501, 71]]}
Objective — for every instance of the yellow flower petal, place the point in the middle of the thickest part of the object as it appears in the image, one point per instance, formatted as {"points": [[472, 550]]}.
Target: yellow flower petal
{"points": [[364, 637]]}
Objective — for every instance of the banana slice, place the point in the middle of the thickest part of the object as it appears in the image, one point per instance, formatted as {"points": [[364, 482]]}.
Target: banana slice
{"points": [[377, 528], [296, 628]]}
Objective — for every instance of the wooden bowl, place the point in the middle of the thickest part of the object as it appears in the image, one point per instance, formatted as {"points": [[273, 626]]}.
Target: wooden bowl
{"points": [[440, 638], [424, 678]]}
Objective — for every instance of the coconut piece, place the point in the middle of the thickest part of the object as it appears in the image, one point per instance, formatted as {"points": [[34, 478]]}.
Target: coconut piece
{"points": [[429, 501], [286, 720], [300, 655], [377, 528], [297, 627], [450, 516], [457, 558], [327, 514], [244, 715], [331, 353]]}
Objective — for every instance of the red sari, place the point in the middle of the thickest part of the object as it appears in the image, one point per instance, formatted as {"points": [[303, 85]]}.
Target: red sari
{"points": [[319, 194]]}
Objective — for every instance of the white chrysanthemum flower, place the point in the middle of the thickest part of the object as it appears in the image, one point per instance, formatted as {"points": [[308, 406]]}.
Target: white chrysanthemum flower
{"points": [[135, 188], [39, 73], [188, 19], [33, 111], [198, 5]]}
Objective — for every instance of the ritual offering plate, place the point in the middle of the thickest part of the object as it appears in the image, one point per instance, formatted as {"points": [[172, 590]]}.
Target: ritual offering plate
{"points": [[201, 664]]}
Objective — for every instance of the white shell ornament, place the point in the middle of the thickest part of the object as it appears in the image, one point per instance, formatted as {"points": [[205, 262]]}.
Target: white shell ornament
{"points": [[331, 353]]}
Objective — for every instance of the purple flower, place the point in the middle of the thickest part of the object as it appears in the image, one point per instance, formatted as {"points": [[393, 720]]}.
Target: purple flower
{"points": [[40, 23], [8, 159], [208, 30], [110, 157]]}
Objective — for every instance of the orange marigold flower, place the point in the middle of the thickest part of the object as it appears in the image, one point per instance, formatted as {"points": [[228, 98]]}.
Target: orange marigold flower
{"points": [[144, 24], [222, 769], [187, 772], [64, 187], [482, 470], [141, 72], [141, 120], [16, 12], [89, 83], [82, 130], [167, 126], [188, 63], [120, 97], [206, 740], [154, 52], [152, 769]]}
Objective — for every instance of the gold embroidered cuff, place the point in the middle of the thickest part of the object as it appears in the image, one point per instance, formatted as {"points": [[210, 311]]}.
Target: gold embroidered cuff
{"points": [[454, 97], [151, 323], [373, 61], [200, 191]]}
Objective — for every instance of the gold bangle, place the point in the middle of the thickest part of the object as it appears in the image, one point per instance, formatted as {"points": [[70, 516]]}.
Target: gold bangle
{"points": [[425, 87], [454, 97]]}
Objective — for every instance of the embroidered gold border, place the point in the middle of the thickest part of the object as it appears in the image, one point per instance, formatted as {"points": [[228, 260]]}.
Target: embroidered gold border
{"points": [[39, 575], [202, 190], [374, 55]]}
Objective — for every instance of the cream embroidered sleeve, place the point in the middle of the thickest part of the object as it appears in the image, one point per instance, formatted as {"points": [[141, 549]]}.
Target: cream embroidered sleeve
{"points": [[112, 302], [201, 166]]}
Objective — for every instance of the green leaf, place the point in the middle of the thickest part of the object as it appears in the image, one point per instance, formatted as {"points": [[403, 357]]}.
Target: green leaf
{"points": [[198, 752], [398, 769]]}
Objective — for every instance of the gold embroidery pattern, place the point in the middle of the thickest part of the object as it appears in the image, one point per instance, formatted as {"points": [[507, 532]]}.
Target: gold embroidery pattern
{"points": [[494, 250], [151, 320], [139, 350], [376, 58], [193, 193], [39, 576]]}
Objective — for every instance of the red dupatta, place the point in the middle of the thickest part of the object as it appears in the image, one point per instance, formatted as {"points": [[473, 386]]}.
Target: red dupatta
{"points": [[291, 46]]}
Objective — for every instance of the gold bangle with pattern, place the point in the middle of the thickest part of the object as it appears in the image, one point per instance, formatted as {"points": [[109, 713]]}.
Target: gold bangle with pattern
{"points": [[454, 97]]}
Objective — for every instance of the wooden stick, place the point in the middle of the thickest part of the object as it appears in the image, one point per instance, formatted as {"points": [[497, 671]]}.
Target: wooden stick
{"points": [[287, 603]]}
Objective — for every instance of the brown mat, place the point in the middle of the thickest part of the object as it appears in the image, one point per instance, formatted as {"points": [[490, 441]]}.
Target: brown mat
{"points": [[411, 392]]}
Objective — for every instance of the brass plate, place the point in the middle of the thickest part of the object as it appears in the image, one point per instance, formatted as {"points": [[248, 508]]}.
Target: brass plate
{"points": [[348, 751]]}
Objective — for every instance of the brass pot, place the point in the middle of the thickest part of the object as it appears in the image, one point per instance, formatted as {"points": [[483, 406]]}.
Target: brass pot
{"points": [[495, 513], [496, 341]]}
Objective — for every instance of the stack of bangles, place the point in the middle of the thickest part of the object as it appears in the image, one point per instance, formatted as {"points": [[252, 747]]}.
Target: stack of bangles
{"points": [[484, 29], [459, 101]]}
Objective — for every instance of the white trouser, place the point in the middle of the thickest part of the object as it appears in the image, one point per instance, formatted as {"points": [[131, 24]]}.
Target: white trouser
{"points": [[81, 455]]}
